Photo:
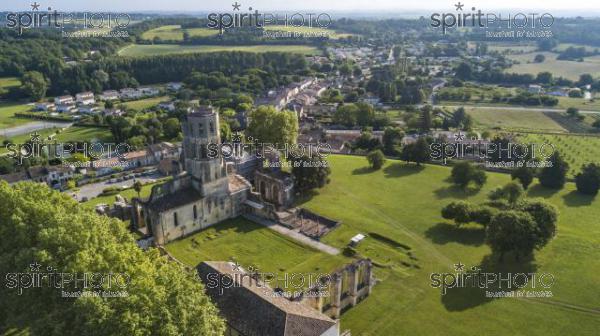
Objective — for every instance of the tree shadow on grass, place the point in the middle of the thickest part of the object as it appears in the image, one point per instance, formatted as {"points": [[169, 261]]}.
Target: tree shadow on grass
{"points": [[401, 170], [454, 191], [443, 233], [305, 197], [363, 170], [472, 292], [539, 190], [576, 199]]}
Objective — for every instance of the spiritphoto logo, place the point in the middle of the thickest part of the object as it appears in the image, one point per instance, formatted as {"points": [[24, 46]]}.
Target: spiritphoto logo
{"points": [[89, 23], [522, 22], [495, 154], [240, 145], [495, 284], [71, 284], [295, 283], [255, 18], [37, 147]]}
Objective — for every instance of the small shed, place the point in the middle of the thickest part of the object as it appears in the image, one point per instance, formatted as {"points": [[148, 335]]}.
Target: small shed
{"points": [[357, 239]]}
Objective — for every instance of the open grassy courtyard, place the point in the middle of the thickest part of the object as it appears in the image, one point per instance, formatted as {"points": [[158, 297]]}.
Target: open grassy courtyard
{"points": [[136, 50], [253, 245], [402, 203]]}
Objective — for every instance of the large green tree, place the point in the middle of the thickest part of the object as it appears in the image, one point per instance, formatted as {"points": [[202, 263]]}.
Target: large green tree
{"points": [[34, 85], [511, 231], [588, 180], [50, 229], [310, 173], [268, 125], [554, 176]]}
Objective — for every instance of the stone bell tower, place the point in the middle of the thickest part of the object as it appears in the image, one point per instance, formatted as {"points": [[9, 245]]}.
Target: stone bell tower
{"points": [[201, 149]]}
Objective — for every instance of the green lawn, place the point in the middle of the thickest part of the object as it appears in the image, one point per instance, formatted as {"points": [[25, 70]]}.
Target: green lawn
{"points": [[513, 119], [136, 50], [568, 69], [253, 245], [403, 203], [580, 103], [71, 134], [175, 32], [7, 114], [576, 149], [145, 103], [7, 82]]}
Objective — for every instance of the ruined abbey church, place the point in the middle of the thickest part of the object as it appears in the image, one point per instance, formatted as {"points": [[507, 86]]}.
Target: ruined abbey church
{"points": [[204, 194]]}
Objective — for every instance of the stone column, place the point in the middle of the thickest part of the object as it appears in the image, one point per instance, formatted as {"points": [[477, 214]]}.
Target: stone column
{"points": [[336, 296], [353, 286]]}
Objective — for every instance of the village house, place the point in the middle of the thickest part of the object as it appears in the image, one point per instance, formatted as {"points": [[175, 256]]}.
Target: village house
{"points": [[149, 91], [174, 86], [64, 100], [109, 95], [88, 109], [85, 98], [167, 105], [129, 93], [44, 106]]}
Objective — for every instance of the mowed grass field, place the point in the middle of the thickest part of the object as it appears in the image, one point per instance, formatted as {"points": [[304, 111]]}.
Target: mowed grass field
{"points": [[71, 134], [402, 203], [145, 103], [575, 149], [513, 119], [253, 245], [7, 114], [568, 69], [7, 82], [175, 32], [580, 103], [136, 50]]}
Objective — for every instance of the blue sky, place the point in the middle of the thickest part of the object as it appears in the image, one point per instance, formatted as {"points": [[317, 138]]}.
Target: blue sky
{"points": [[332, 5]]}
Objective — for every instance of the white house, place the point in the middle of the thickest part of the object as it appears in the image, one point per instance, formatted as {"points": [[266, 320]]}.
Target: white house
{"points": [[44, 106], [174, 86], [85, 98], [65, 108], [109, 95], [149, 91], [64, 100], [88, 109], [129, 93], [533, 88], [167, 105]]}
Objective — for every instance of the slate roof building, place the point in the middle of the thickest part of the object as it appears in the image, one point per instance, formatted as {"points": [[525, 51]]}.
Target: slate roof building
{"points": [[252, 308]]}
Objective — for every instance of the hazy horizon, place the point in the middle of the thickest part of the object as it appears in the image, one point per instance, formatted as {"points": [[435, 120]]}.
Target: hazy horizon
{"points": [[355, 7]]}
